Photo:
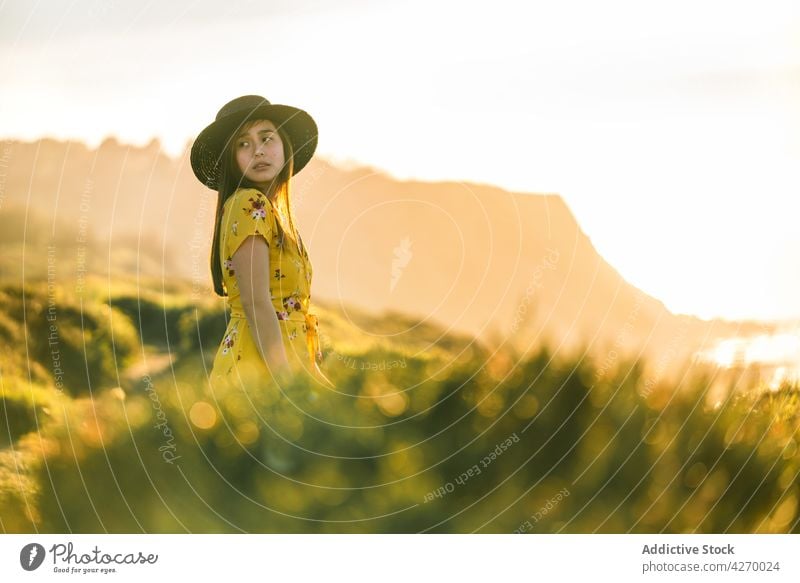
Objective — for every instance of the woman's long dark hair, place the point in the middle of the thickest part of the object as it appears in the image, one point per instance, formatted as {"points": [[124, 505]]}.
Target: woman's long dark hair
{"points": [[230, 179]]}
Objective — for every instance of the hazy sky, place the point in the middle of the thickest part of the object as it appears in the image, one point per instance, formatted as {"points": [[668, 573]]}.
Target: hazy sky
{"points": [[672, 129]]}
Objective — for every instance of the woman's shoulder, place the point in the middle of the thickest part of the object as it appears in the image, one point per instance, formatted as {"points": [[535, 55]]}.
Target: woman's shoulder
{"points": [[246, 194], [249, 200], [246, 212]]}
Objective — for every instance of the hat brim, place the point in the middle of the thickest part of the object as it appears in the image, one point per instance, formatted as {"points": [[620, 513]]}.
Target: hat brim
{"points": [[211, 142]]}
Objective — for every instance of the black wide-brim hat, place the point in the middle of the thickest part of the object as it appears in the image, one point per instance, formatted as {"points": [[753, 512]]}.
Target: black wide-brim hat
{"points": [[211, 143]]}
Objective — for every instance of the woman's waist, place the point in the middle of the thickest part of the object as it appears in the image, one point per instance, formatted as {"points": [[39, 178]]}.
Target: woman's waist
{"points": [[283, 315]]}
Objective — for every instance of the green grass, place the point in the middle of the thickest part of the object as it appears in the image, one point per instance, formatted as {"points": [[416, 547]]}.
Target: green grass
{"points": [[580, 455]]}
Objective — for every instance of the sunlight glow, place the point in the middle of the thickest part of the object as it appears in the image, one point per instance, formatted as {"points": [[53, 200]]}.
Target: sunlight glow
{"points": [[778, 355]]}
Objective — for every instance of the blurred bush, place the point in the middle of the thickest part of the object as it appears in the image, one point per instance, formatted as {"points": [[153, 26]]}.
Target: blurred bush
{"points": [[456, 438]]}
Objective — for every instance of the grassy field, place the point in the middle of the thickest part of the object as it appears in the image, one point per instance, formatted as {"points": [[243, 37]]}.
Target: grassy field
{"points": [[107, 424]]}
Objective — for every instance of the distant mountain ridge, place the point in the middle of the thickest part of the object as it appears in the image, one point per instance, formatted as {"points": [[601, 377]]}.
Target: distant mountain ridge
{"points": [[502, 266]]}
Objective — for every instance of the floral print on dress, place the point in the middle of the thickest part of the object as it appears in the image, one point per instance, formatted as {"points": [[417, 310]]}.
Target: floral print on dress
{"points": [[282, 315], [292, 303], [257, 210], [278, 274], [229, 341], [229, 266]]}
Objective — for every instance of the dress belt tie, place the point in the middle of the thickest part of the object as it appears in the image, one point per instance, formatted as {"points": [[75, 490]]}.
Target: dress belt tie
{"points": [[312, 338]]}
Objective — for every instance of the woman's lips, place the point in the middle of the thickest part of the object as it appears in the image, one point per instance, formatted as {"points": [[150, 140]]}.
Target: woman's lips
{"points": [[260, 166]]}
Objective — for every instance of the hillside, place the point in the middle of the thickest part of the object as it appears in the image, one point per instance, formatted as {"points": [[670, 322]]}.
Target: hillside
{"points": [[506, 267]]}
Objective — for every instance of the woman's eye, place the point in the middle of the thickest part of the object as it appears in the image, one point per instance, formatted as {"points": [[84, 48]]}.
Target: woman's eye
{"points": [[245, 142]]}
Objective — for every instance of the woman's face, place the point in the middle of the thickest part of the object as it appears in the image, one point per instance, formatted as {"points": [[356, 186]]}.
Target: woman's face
{"points": [[259, 153]]}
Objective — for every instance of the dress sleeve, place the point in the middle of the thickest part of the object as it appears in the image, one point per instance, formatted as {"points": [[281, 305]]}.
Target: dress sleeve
{"points": [[249, 214]]}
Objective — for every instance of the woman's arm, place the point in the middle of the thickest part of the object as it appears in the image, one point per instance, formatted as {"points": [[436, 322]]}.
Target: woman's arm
{"points": [[251, 268]]}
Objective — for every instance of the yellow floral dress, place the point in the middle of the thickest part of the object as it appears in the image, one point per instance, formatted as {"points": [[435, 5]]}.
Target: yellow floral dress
{"points": [[250, 212]]}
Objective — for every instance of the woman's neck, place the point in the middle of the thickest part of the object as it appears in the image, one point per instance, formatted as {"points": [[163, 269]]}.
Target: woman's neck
{"points": [[270, 192]]}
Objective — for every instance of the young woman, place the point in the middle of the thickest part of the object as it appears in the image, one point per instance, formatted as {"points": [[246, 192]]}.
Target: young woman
{"points": [[258, 260]]}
